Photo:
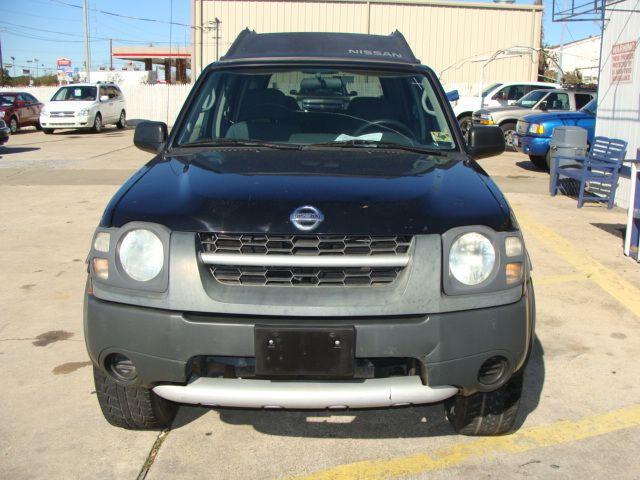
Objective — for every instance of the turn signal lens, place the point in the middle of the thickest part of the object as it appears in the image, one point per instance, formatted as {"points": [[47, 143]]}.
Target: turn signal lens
{"points": [[513, 246], [514, 272], [536, 129], [101, 242], [101, 268]]}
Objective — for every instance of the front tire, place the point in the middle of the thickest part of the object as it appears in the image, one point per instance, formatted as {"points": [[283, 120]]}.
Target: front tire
{"points": [[486, 413], [132, 407], [97, 124], [508, 129], [465, 124], [47, 131], [122, 121], [539, 161]]}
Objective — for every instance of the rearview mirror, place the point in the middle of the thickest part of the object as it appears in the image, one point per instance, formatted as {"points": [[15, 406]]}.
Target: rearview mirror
{"points": [[453, 95], [485, 141], [150, 136]]}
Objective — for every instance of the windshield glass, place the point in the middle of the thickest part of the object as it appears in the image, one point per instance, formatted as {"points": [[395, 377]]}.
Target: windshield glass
{"points": [[488, 90], [6, 100], [317, 105], [81, 93], [531, 98], [590, 107]]}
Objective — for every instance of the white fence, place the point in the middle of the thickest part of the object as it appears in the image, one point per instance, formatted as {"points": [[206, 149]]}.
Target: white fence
{"points": [[144, 102]]}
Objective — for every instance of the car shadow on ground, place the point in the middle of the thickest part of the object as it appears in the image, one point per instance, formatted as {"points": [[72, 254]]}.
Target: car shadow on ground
{"points": [[6, 149], [527, 165], [400, 422]]}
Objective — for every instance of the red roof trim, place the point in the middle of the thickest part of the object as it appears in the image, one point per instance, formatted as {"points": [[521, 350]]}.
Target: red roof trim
{"points": [[151, 55]]}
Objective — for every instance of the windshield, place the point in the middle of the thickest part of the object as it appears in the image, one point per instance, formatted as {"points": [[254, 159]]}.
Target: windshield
{"points": [[285, 106], [531, 98], [488, 90], [591, 107], [83, 93], [6, 100]]}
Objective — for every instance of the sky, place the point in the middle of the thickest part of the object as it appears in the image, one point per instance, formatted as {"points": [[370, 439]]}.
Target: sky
{"points": [[49, 29]]}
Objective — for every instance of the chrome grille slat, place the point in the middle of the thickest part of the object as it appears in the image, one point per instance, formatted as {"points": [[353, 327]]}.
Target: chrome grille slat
{"points": [[304, 260]]}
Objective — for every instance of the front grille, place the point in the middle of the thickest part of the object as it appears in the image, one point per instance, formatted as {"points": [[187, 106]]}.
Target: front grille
{"points": [[62, 114], [297, 246], [522, 127]]}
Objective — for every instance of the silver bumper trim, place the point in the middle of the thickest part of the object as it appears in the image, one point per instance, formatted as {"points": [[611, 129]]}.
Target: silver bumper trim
{"points": [[245, 393], [305, 261]]}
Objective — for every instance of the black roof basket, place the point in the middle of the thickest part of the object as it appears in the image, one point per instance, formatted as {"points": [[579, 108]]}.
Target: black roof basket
{"points": [[321, 45]]}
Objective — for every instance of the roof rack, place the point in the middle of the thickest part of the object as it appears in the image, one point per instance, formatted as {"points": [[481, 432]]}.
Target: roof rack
{"points": [[250, 45]]}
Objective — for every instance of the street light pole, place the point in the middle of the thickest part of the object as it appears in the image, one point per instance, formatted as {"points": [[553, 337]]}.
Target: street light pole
{"points": [[87, 52]]}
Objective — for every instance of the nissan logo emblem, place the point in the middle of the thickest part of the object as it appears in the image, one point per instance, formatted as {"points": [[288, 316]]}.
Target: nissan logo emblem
{"points": [[306, 218]]}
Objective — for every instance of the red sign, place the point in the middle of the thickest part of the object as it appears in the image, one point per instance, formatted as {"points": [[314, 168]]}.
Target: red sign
{"points": [[63, 62], [622, 62]]}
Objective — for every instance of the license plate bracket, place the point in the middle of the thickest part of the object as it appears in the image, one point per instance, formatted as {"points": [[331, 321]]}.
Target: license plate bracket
{"points": [[319, 351]]}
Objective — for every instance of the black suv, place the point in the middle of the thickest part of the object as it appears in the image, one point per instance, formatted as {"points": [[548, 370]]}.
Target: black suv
{"points": [[278, 254]]}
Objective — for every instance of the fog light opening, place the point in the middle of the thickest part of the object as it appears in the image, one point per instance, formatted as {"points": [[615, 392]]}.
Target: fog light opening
{"points": [[492, 371], [121, 367]]}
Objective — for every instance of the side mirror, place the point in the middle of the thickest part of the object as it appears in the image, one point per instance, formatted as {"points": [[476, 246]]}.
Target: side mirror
{"points": [[485, 141], [543, 105], [150, 136], [104, 98], [453, 95]]}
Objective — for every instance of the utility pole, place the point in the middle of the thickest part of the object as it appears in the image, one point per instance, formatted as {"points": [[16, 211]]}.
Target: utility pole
{"points": [[559, 75], [111, 54], [87, 51], [215, 26], [37, 71], [1, 66]]}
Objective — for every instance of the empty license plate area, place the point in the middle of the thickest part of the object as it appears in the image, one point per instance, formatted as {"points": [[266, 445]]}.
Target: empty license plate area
{"points": [[323, 351]]}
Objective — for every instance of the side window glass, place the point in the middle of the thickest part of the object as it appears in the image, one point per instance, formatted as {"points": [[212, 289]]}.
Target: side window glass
{"points": [[582, 99], [558, 101], [23, 97], [102, 91], [516, 92]]}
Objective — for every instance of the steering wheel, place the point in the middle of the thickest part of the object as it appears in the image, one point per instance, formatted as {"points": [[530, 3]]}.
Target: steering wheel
{"points": [[389, 124]]}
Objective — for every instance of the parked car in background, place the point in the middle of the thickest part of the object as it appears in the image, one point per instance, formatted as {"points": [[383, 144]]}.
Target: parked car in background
{"points": [[86, 106], [534, 132], [496, 95], [536, 101], [20, 109], [4, 132]]}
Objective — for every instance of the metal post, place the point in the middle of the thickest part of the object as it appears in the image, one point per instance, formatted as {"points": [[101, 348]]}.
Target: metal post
{"points": [[559, 74], [110, 54], [217, 22], [87, 52], [13, 64], [37, 70], [1, 66]]}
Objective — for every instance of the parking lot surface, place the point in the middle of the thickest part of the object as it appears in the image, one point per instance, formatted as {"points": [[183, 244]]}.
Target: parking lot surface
{"points": [[580, 415]]}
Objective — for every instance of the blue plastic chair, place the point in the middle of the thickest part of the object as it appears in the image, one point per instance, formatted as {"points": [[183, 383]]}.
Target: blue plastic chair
{"points": [[601, 166]]}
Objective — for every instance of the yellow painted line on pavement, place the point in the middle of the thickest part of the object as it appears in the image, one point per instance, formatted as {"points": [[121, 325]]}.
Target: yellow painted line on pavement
{"points": [[522, 441], [612, 283], [554, 279]]}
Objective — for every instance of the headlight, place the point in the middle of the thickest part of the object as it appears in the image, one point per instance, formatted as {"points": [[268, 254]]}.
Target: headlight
{"points": [[471, 258], [536, 129], [83, 113], [141, 254], [1, 113], [44, 112], [486, 119]]}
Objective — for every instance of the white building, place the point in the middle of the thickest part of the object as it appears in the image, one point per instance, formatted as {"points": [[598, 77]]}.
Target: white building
{"points": [[582, 55]]}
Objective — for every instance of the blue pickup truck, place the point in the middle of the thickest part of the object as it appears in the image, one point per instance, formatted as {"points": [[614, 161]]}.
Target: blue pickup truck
{"points": [[533, 132]]}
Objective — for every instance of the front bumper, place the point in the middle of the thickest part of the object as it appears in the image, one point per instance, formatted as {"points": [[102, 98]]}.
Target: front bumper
{"points": [[451, 347], [535, 146], [65, 122]]}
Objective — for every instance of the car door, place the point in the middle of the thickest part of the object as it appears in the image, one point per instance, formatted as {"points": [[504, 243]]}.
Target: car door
{"points": [[23, 110], [34, 108], [106, 107], [118, 101]]}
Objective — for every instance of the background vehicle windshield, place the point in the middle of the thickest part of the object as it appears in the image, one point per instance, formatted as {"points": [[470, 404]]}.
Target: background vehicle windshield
{"points": [[531, 98], [591, 107], [7, 100], [271, 105], [84, 93], [487, 90]]}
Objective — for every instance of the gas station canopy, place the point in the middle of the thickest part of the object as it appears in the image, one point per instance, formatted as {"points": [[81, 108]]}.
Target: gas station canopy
{"points": [[180, 57]]}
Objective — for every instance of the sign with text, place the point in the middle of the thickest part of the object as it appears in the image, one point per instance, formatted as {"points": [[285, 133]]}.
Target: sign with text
{"points": [[622, 62]]}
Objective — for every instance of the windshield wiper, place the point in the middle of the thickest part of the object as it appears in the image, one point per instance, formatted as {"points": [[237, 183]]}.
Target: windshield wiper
{"points": [[377, 144], [232, 142]]}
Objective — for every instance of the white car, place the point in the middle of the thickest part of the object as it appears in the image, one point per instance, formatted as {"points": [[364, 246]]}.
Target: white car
{"points": [[498, 94], [86, 106]]}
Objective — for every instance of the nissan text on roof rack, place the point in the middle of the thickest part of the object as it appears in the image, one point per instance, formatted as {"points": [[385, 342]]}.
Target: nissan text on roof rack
{"points": [[313, 233]]}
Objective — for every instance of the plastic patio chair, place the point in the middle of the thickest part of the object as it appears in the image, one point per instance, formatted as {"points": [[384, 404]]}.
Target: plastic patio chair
{"points": [[601, 166]]}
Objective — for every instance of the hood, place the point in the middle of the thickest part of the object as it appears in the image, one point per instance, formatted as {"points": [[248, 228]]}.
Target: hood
{"points": [[358, 191], [507, 108], [69, 105], [557, 116]]}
